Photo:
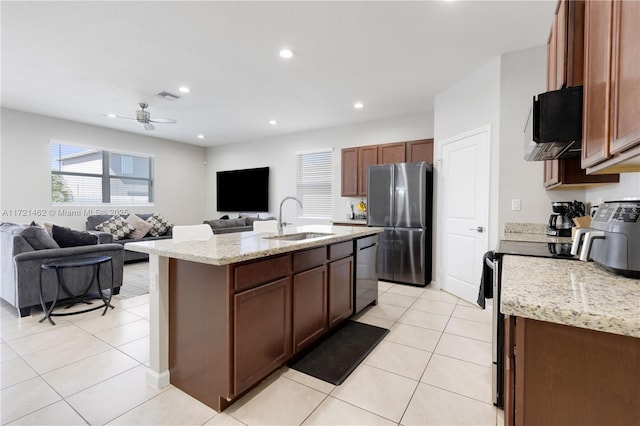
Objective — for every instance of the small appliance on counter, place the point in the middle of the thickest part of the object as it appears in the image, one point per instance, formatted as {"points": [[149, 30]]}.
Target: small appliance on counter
{"points": [[613, 240], [561, 221]]}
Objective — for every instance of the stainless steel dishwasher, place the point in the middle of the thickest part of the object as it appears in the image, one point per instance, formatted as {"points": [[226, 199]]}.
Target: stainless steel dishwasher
{"points": [[365, 280]]}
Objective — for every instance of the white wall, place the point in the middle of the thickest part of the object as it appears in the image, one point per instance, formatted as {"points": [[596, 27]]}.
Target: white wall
{"points": [[469, 104], [628, 187], [26, 179], [279, 153], [523, 75]]}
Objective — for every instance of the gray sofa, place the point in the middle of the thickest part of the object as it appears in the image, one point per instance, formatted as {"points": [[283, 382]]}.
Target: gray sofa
{"points": [[129, 256], [20, 266], [241, 224]]}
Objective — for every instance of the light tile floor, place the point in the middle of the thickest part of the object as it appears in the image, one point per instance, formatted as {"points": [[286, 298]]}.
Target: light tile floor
{"points": [[433, 368]]}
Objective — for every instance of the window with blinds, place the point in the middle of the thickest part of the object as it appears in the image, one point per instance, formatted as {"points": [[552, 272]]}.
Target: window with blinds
{"points": [[314, 180], [81, 175]]}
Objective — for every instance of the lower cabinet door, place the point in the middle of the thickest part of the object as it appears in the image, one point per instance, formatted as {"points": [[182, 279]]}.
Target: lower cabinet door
{"points": [[309, 306], [340, 290], [262, 330]]}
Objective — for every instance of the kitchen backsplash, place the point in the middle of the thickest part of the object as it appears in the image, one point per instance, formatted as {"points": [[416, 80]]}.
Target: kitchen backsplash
{"points": [[525, 228]]}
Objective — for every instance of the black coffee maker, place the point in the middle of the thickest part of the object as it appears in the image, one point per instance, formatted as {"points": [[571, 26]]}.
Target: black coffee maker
{"points": [[561, 221]]}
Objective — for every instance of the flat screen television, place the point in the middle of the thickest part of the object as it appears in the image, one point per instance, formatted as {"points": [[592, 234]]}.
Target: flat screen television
{"points": [[244, 190]]}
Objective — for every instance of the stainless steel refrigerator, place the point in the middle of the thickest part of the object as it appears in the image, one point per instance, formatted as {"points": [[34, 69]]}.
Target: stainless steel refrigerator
{"points": [[399, 198]]}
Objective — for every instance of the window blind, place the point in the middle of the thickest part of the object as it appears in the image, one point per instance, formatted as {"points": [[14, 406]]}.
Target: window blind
{"points": [[314, 181]]}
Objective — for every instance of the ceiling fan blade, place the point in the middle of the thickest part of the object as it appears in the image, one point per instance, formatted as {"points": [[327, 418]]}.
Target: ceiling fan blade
{"points": [[163, 120], [148, 126], [118, 116]]}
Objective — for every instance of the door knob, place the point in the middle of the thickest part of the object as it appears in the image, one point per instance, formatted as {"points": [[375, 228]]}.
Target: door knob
{"points": [[478, 229]]}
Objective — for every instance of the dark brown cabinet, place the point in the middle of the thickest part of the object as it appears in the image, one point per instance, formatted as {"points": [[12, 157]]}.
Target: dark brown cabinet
{"points": [[565, 48], [356, 160], [231, 326], [367, 156], [557, 374], [392, 153], [340, 290], [611, 127], [567, 173], [565, 55], [262, 330], [309, 306], [349, 172], [420, 150], [340, 256]]}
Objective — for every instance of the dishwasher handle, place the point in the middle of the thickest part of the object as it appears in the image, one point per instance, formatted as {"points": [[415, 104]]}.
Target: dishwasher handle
{"points": [[367, 247]]}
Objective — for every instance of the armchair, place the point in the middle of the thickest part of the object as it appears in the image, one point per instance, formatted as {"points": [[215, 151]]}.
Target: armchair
{"points": [[20, 268]]}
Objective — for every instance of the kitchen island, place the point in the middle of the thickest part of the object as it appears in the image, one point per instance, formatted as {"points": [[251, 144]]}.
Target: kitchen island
{"points": [[227, 311], [572, 343]]}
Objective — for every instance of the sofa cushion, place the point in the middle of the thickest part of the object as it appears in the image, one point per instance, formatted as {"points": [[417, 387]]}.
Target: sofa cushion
{"points": [[160, 225], [142, 227], [66, 237], [226, 223], [116, 226], [38, 238]]}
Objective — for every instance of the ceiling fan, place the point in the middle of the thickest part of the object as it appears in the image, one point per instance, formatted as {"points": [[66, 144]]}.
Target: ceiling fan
{"points": [[144, 117]]}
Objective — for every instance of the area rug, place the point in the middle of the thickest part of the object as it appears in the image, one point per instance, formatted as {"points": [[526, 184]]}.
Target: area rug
{"points": [[335, 357]]}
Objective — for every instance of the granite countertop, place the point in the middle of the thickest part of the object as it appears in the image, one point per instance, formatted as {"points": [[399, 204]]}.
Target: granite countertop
{"points": [[537, 238], [223, 249], [347, 222], [569, 292]]}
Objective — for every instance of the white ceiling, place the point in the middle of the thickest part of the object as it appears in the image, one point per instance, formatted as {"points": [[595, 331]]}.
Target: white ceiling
{"points": [[80, 60]]}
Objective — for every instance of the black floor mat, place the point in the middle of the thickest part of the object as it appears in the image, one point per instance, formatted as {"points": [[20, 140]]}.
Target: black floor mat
{"points": [[334, 358]]}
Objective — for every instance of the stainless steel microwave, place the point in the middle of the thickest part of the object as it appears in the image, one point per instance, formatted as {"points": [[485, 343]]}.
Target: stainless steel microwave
{"points": [[554, 125]]}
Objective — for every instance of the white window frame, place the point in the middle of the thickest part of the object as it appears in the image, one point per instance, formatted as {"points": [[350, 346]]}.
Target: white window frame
{"points": [[105, 176], [314, 185]]}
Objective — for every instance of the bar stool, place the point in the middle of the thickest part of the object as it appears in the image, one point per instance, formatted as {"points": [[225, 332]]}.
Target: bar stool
{"points": [[77, 262]]}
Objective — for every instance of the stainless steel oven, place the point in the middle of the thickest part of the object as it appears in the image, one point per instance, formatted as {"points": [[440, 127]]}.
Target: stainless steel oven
{"points": [[514, 248]]}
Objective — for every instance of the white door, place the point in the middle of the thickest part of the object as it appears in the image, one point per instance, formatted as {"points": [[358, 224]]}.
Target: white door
{"points": [[464, 200]]}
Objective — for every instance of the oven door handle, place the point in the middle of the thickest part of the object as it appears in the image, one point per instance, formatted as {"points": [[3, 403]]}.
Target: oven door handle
{"points": [[490, 263]]}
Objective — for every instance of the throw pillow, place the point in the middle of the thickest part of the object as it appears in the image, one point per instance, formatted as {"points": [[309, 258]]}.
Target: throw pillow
{"points": [[142, 227], [38, 238], [116, 226], [49, 227], [160, 225], [66, 237]]}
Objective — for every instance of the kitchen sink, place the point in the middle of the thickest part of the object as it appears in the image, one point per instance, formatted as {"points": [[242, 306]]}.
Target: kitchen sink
{"points": [[299, 236]]}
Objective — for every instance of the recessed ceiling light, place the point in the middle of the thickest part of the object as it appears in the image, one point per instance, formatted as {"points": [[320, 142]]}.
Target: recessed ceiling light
{"points": [[273, 122], [286, 53], [358, 105], [200, 136], [184, 89], [111, 115]]}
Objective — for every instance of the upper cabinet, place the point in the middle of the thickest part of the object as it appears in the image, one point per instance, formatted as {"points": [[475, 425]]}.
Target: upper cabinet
{"points": [[356, 160], [420, 150], [565, 48], [367, 156], [392, 153], [611, 122], [565, 65], [349, 172]]}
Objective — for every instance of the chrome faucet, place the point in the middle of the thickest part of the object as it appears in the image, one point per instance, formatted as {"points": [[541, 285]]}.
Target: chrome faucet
{"points": [[280, 212]]}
